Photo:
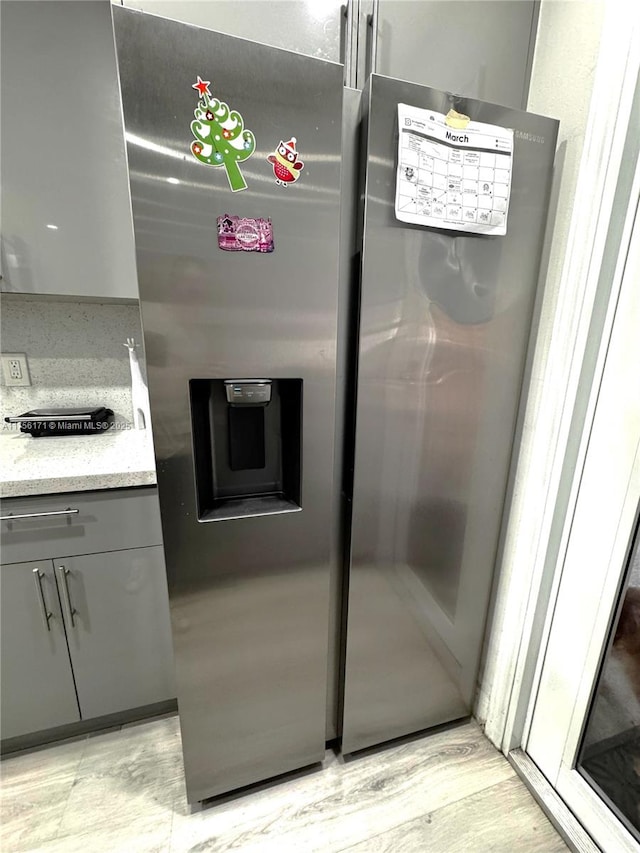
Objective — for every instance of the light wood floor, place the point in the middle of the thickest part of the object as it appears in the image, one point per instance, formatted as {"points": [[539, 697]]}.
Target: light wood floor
{"points": [[123, 791]]}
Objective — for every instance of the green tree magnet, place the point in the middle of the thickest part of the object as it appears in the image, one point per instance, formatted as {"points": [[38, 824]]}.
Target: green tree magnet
{"points": [[221, 139]]}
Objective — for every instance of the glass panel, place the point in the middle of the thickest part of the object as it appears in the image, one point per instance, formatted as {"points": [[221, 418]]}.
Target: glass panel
{"points": [[609, 756]]}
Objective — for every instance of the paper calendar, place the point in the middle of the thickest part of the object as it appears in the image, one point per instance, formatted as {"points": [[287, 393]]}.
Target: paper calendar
{"points": [[458, 178]]}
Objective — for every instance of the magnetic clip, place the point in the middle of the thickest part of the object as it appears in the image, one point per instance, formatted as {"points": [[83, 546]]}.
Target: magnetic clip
{"points": [[456, 120]]}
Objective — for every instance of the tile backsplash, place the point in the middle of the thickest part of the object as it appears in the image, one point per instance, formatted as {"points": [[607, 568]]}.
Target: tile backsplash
{"points": [[75, 353]]}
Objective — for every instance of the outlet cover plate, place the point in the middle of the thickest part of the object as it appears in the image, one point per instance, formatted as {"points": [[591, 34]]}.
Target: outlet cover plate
{"points": [[15, 369]]}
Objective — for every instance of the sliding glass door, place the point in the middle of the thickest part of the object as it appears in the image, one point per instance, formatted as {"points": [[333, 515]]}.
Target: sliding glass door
{"points": [[609, 755], [584, 725]]}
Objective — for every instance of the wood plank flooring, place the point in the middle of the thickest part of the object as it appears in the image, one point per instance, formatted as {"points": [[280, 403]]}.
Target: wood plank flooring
{"points": [[122, 792]]}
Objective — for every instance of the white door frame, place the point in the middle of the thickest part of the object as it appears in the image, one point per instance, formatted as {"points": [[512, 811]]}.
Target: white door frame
{"points": [[561, 403], [601, 532]]}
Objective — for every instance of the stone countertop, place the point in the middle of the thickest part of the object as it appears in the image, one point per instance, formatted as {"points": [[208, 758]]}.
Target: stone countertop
{"points": [[75, 463]]}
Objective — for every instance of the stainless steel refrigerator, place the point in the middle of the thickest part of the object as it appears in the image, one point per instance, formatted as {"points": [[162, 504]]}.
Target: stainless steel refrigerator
{"points": [[245, 483], [444, 322], [350, 389]]}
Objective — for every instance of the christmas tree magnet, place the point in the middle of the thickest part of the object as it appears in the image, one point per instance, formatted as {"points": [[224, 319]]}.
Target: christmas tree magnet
{"points": [[221, 139], [286, 166]]}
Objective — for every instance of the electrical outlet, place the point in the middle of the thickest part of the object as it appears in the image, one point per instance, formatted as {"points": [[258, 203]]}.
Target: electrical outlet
{"points": [[15, 369]]}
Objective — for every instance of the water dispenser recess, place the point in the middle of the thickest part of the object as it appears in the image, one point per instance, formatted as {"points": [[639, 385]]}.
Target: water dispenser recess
{"points": [[246, 439], [247, 399], [247, 446]]}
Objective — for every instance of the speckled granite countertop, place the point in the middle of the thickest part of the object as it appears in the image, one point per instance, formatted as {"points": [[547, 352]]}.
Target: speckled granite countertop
{"points": [[78, 463]]}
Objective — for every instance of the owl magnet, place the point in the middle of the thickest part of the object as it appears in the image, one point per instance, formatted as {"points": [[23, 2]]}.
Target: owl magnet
{"points": [[286, 165]]}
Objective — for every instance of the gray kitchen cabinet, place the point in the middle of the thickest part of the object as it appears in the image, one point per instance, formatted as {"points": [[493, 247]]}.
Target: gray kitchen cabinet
{"points": [[116, 614], [67, 226], [107, 647], [37, 682], [475, 48], [317, 29]]}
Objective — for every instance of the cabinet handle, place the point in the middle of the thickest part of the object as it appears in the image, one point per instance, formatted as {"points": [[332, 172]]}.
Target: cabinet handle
{"points": [[12, 517], [71, 611], [46, 615]]}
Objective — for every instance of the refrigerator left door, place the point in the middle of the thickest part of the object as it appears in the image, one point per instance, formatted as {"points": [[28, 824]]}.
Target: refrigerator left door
{"points": [[245, 469]]}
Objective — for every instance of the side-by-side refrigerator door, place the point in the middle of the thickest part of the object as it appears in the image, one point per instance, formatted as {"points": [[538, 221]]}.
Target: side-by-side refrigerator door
{"points": [[234, 158], [444, 327]]}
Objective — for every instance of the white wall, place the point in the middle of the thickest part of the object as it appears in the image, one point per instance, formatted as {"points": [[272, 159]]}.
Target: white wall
{"points": [[565, 61], [564, 64]]}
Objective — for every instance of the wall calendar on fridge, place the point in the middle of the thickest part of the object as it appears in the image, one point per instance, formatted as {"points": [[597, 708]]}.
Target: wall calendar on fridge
{"points": [[458, 178]]}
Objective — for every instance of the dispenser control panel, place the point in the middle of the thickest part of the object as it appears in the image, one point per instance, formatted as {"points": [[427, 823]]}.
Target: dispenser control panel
{"points": [[243, 392]]}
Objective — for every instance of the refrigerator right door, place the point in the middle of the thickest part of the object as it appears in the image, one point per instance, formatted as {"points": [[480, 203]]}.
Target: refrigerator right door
{"points": [[444, 326]]}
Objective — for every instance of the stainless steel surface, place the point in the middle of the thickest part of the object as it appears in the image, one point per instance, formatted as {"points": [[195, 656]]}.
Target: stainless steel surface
{"points": [[476, 48], [372, 24], [444, 326], [37, 685], [349, 54], [46, 614], [347, 282], [249, 596], [311, 27], [64, 586], [12, 517], [120, 645], [66, 218], [362, 46]]}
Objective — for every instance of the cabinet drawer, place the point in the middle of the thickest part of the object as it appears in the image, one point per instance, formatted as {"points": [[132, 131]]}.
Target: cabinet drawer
{"points": [[96, 522]]}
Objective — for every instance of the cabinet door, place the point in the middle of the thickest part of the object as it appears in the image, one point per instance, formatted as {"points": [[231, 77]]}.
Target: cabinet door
{"points": [[37, 689], [67, 225], [317, 29], [477, 48], [116, 609]]}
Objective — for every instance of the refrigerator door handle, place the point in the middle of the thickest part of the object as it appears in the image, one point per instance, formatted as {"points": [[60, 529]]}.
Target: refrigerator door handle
{"points": [[372, 39], [347, 18]]}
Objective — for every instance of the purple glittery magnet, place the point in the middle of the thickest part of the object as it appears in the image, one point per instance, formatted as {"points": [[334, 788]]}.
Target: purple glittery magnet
{"points": [[240, 234]]}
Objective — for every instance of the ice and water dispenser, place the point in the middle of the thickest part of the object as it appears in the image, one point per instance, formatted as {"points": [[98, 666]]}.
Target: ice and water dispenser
{"points": [[247, 446]]}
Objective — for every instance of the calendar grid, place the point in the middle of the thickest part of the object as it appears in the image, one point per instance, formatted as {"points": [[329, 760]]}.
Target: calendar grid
{"points": [[460, 186]]}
